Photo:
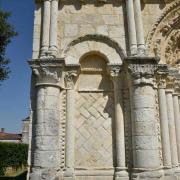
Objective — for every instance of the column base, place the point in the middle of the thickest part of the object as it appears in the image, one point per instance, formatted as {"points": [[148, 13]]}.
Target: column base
{"points": [[148, 175], [53, 51], [177, 171], [44, 174], [169, 174], [121, 175], [69, 174], [168, 171]]}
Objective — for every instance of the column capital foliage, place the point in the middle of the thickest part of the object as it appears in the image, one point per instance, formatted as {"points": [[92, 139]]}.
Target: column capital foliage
{"points": [[161, 76], [114, 70], [170, 82], [48, 71], [177, 86], [142, 70], [70, 75]]}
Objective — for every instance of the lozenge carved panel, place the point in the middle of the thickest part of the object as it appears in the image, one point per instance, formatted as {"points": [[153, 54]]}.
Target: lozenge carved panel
{"points": [[93, 124]]}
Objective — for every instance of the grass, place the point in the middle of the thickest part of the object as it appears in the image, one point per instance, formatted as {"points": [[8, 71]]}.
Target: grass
{"points": [[19, 175]]}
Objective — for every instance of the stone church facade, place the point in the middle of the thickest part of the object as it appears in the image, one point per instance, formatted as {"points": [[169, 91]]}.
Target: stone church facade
{"points": [[105, 91]]}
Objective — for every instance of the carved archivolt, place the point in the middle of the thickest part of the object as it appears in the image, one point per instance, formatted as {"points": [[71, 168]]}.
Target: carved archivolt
{"points": [[97, 44], [164, 38]]}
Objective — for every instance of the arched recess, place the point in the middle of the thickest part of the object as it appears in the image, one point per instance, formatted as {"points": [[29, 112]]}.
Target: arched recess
{"points": [[164, 38], [94, 119], [98, 44]]}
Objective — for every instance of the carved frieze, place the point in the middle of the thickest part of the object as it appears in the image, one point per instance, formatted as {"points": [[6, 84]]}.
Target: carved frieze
{"points": [[47, 71]]}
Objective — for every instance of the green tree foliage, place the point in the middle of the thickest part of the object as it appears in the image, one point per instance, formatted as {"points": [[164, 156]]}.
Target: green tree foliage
{"points": [[7, 32], [12, 155]]}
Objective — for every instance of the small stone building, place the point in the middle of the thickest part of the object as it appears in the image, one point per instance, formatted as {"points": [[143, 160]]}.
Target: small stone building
{"points": [[105, 91]]}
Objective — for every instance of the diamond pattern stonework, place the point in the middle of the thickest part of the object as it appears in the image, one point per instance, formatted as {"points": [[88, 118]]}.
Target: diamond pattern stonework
{"points": [[93, 139]]}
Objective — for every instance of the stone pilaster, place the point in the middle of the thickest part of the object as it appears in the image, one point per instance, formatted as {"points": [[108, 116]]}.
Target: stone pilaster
{"points": [[70, 76], [145, 125], [45, 150], [177, 115], [120, 170], [166, 151], [171, 121]]}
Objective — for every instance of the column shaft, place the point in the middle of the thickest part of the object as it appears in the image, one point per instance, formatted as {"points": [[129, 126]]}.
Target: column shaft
{"points": [[145, 137], [53, 25], [45, 26], [120, 139], [177, 122], [131, 27], [164, 128], [70, 133], [139, 23], [172, 131], [45, 149], [179, 102]]}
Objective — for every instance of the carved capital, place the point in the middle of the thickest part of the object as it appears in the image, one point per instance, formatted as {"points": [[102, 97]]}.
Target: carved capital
{"points": [[70, 75], [177, 86], [142, 74], [170, 82], [70, 78], [47, 72], [114, 70], [161, 81], [161, 75]]}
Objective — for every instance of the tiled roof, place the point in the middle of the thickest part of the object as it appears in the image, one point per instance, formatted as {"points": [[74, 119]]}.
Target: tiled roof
{"points": [[9, 136]]}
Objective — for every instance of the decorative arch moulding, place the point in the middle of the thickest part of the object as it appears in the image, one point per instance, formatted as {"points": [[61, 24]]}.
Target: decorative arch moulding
{"points": [[97, 44], [164, 36]]}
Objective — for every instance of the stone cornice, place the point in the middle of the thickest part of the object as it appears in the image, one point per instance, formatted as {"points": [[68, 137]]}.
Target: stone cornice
{"points": [[48, 71]]}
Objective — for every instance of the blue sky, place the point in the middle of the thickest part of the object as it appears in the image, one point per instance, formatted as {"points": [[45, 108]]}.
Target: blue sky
{"points": [[14, 92]]}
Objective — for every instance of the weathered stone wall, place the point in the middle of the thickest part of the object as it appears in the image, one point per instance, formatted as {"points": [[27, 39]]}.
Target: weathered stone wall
{"points": [[76, 20], [150, 13], [108, 116]]}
